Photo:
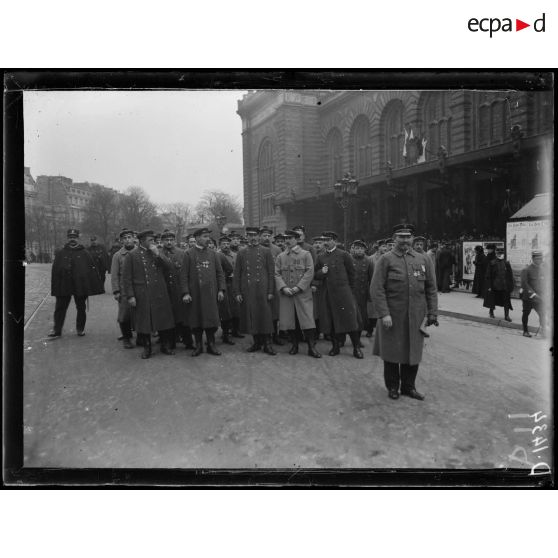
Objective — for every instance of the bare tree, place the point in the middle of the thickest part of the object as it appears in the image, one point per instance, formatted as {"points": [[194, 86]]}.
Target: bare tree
{"points": [[102, 213], [175, 216], [215, 203], [138, 211]]}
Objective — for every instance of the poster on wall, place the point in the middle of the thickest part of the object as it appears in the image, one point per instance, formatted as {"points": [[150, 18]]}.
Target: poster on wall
{"points": [[469, 256], [524, 236]]}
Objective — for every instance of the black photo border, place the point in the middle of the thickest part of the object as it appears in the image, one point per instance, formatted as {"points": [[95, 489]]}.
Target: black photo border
{"points": [[16, 81]]}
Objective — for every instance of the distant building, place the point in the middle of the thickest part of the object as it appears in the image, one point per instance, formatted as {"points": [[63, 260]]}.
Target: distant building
{"points": [[449, 161]]}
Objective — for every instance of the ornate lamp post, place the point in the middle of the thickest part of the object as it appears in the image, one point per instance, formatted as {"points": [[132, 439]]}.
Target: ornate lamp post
{"points": [[344, 191], [221, 219]]}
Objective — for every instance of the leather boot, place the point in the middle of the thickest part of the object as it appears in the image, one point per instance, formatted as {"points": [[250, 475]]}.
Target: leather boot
{"points": [[227, 334], [211, 348], [334, 345], [198, 349], [310, 335], [256, 345], [294, 342], [166, 342], [408, 377], [267, 346], [355, 339], [275, 337], [146, 353], [235, 329]]}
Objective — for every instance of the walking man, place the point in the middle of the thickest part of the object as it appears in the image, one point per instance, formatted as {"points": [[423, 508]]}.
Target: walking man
{"points": [[145, 288], [202, 284], [254, 289], [403, 293], [74, 273], [294, 272], [337, 306], [124, 317], [499, 285], [532, 292]]}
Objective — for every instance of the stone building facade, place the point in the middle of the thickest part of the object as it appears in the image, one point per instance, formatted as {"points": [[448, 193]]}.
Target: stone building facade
{"points": [[452, 162]]}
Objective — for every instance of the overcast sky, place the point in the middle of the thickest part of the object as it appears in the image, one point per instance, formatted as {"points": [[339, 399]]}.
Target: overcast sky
{"points": [[174, 144]]}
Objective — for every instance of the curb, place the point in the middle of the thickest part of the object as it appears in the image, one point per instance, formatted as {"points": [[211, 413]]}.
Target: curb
{"points": [[482, 320]]}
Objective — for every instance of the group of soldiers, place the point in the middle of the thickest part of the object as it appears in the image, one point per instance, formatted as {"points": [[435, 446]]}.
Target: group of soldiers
{"points": [[273, 287]]}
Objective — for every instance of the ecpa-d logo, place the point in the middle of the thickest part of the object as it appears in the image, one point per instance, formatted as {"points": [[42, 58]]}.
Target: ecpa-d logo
{"points": [[495, 24]]}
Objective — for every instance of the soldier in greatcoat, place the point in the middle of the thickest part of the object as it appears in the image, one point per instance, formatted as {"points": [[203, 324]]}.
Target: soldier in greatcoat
{"points": [[337, 308], [533, 292], [294, 272], [228, 306], [318, 245], [254, 289], [203, 287], [145, 287], [265, 240], [182, 331], [403, 293], [100, 256], [124, 317], [74, 273], [364, 270]]}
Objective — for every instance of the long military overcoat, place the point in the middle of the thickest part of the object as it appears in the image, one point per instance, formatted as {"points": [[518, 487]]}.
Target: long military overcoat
{"points": [[295, 268], [364, 269], [254, 279], [404, 287], [116, 270], [202, 277], [101, 258], [275, 251], [226, 305], [337, 308], [172, 276], [144, 279], [74, 273]]}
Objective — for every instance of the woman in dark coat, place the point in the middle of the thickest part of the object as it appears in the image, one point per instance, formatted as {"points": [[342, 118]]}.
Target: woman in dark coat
{"points": [[499, 285], [480, 271]]}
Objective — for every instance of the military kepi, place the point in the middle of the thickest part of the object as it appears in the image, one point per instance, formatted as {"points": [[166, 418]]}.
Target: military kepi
{"points": [[291, 233], [536, 253], [143, 234], [72, 232], [330, 234], [201, 231], [167, 234], [252, 230], [404, 229], [125, 231]]}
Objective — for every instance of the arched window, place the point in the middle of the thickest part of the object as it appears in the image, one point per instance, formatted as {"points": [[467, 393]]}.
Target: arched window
{"points": [[266, 179], [334, 146], [493, 119], [361, 151], [394, 134], [436, 123]]}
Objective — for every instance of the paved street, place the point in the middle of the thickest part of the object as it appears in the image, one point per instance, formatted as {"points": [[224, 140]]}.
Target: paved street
{"points": [[90, 403]]}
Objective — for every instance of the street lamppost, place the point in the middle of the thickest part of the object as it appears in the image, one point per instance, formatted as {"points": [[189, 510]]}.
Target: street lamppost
{"points": [[344, 191], [221, 219]]}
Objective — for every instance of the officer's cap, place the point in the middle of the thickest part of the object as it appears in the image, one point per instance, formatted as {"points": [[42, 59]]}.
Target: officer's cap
{"points": [[536, 253], [266, 230], [360, 243], [299, 228], [404, 229], [72, 232], [167, 234], [252, 231], [291, 233], [125, 231]]}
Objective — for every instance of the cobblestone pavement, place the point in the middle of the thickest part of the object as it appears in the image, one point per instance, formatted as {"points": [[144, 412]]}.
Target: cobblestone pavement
{"points": [[90, 403]]}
